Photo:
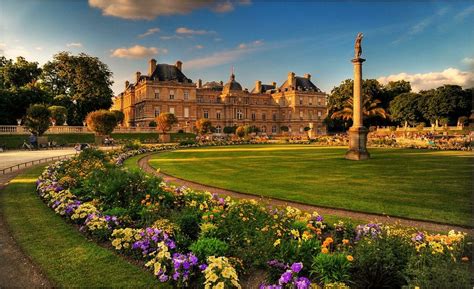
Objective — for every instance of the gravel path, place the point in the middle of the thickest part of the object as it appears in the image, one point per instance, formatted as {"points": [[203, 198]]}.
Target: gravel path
{"points": [[16, 268], [426, 225]]}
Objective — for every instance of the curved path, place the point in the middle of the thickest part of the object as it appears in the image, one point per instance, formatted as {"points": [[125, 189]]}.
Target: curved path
{"points": [[369, 217], [16, 268]]}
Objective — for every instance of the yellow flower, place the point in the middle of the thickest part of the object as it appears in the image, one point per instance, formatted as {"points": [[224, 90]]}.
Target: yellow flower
{"points": [[219, 285], [350, 258], [277, 242]]}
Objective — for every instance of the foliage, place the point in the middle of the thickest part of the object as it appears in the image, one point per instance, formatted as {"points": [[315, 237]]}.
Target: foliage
{"points": [[333, 268], [240, 131], [82, 79], [102, 122], [404, 108], [165, 121], [152, 123], [37, 119], [205, 247], [14, 75], [119, 116], [229, 129], [204, 126], [380, 262], [284, 128], [58, 114], [15, 102]]}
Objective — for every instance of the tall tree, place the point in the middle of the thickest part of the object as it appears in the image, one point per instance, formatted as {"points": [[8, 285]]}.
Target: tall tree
{"points": [[19, 73], [203, 126], [404, 108], [84, 79]]}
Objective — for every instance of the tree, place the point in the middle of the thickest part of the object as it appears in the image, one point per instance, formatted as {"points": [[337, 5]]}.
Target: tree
{"points": [[58, 114], [84, 79], [19, 73], [102, 122], [404, 108], [203, 126], [165, 121], [37, 119], [370, 108], [119, 115], [240, 131], [284, 128], [392, 89], [229, 129]]}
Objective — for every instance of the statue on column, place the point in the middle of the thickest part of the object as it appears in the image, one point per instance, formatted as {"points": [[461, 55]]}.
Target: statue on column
{"points": [[358, 45]]}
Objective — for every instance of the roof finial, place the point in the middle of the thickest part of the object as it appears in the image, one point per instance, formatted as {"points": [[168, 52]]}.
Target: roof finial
{"points": [[232, 76]]}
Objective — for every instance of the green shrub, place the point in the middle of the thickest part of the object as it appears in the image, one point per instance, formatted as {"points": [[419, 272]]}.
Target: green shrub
{"points": [[206, 247], [102, 122], [188, 223], [58, 114], [92, 154], [132, 144], [381, 262], [292, 251], [37, 119], [331, 268], [437, 272]]}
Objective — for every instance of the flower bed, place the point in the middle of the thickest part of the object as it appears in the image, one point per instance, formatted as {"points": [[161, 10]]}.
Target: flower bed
{"points": [[195, 239]]}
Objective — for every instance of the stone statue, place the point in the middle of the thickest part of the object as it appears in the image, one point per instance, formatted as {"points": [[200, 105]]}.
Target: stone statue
{"points": [[358, 45]]}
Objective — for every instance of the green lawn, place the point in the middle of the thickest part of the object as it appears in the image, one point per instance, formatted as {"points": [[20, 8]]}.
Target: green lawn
{"points": [[420, 184], [66, 257]]}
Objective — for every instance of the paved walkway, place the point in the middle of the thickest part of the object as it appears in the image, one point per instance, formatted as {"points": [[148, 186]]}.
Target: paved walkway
{"points": [[11, 158], [430, 226], [16, 269]]}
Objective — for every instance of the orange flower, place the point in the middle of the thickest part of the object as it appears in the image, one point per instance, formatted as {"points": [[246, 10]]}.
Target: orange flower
{"points": [[324, 250], [345, 241], [350, 258], [329, 240]]}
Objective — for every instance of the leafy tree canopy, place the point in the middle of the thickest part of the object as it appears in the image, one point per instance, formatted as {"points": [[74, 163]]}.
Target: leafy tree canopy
{"points": [[38, 119], [102, 122]]}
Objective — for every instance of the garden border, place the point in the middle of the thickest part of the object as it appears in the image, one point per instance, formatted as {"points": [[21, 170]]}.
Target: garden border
{"points": [[143, 163]]}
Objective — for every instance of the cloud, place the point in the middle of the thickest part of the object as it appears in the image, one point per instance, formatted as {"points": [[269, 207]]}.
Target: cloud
{"points": [[170, 37], [464, 13], [39, 48], [424, 81], [74, 44], [137, 52], [150, 9], [468, 61], [149, 32], [420, 26], [199, 46], [224, 57], [187, 31]]}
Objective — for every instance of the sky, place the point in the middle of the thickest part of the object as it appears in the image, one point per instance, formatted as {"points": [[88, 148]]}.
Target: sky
{"points": [[429, 43]]}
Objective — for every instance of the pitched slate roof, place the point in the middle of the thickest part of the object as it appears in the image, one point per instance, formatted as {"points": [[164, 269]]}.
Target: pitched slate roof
{"points": [[167, 72], [303, 83], [265, 88]]}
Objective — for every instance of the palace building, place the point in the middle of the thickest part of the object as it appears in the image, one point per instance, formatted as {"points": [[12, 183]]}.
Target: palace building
{"points": [[297, 104]]}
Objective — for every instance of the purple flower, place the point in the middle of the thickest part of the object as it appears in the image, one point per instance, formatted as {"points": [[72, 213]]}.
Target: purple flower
{"points": [[285, 277], [163, 278], [302, 283], [277, 264], [296, 267], [319, 218], [202, 267]]}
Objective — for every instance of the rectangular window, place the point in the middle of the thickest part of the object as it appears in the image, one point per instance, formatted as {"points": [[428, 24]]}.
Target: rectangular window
{"points": [[274, 129], [301, 100], [311, 101], [186, 95], [206, 114], [264, 116], [171, 94], [319, 114], [157, 111], [240, 115], [157, 94], [199, 99], [186, 112], [274, 117], [301, 114], [254, 116], [172, 110], [319, 101], [218, 115]]}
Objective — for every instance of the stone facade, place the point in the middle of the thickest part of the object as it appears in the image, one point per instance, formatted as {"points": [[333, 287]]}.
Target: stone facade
{"points": [[297, 103]]}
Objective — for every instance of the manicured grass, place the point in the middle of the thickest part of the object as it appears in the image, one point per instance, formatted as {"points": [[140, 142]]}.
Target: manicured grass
{"points": [[66, 257], [419, 184], [132, 163]]}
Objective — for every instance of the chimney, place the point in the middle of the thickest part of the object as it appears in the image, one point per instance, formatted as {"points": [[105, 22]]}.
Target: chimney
{"points": [[137, 74], [199, 83], [258, 86], [291, 79], [127, 83], [274, 84], [179, 65], [151, 66], [307, 76]]}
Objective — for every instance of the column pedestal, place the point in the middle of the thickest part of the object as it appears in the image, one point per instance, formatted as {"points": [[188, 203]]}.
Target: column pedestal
{"points": [[358, 144]]}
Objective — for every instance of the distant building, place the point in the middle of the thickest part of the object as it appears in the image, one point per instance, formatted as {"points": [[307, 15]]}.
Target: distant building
{"points": [[296, 104]]}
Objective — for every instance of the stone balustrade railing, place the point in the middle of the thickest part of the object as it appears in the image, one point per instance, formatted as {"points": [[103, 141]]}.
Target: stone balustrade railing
{"points": [[17, 129]]}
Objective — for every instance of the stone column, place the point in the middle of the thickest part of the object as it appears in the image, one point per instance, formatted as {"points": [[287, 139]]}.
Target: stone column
{"points": [[357, 133]]}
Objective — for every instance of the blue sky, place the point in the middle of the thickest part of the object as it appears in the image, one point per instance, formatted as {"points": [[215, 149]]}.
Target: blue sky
{"points": [[427, 43]]}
